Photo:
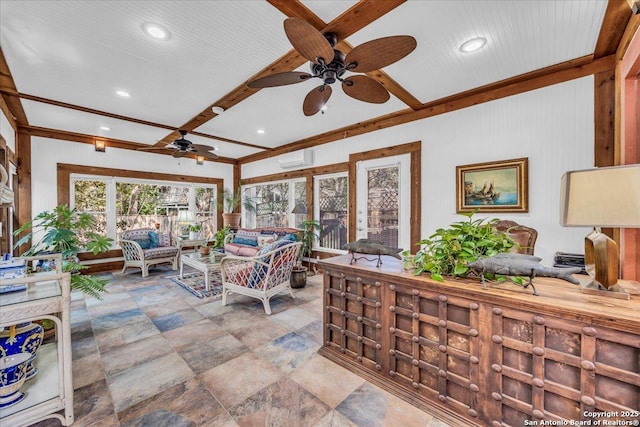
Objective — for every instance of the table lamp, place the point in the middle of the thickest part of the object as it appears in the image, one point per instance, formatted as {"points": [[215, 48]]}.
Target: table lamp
{"points": [[185, 218], [601, 197]]}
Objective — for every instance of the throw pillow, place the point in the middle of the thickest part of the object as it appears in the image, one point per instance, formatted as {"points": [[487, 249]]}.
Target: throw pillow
{"points": [[264, 239], [164, 239], [154, 239], [245, 241], [144, 243]]}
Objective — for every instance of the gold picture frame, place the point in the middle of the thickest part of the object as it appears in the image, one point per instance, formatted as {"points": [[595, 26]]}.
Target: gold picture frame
{"points": [[501, 186]]}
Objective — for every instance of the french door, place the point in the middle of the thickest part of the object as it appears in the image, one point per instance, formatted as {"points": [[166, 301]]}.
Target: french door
{"points": [[383, 200]]}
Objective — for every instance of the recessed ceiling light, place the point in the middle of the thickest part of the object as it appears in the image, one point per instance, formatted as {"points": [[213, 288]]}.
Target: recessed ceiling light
{"points": [[473, 44], [217, 109], [105, 128], [156, 31], [260, 131], [123, 93]]}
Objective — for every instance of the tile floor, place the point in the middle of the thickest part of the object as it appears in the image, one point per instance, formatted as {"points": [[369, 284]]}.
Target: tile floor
{"points": [[152, 354]]}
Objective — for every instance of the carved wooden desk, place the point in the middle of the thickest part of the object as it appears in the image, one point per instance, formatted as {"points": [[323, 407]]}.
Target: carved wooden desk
{"points": [[492, 357]]}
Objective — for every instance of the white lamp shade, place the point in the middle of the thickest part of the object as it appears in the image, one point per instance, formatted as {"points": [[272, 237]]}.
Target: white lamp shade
{"points": [[601, 197], [186, 216]]}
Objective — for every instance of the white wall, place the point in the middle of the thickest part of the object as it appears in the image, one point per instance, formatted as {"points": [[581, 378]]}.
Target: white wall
{"points": [[47, 153], [552, 126], [7, 132]]}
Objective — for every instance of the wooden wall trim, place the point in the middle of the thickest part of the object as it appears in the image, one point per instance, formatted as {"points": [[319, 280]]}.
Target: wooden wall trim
{"points": [[413, 148], [605, 153], [559, 73], [23, 193], [64, 171], [110, 142]]}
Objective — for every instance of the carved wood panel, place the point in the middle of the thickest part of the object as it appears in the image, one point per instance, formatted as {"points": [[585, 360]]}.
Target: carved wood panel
{"points": [[545, 368], [434, 346], [352, 318]]}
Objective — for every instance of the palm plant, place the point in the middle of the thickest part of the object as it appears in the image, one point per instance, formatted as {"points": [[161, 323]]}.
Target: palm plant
{"points": [[66, 231], [309, 234]]}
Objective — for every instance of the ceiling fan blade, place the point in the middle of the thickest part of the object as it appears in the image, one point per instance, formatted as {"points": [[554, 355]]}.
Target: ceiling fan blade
{"points": [[203, 150], [365, 89], [206, 154], [379, 53], [279, 79], [179, 153], [307, 41], [164, 148], [315, 100]]}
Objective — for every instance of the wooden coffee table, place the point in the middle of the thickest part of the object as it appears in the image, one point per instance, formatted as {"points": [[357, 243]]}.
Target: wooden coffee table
{"points": [[203, 263]]}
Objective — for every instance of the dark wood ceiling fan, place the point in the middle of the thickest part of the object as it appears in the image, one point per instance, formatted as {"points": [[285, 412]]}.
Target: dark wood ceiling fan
{"points": [[331, 65], [181, 147]]}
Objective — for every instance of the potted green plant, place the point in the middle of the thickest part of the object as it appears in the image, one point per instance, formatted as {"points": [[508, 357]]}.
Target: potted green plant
{"points": [[66, 231], [448, 251], [230, 203], [218, 238], [194, 231], [307, 236]]}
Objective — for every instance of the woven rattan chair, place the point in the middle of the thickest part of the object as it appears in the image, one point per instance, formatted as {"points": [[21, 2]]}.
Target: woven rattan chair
{"points": [[136, 256], [262, 276]]}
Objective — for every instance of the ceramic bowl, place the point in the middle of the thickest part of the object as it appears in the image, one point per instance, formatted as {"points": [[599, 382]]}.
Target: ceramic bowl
{"points": [[13, 373]]}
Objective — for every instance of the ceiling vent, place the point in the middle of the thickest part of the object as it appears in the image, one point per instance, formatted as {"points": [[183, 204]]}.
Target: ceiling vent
{"points": [[299, 158]]}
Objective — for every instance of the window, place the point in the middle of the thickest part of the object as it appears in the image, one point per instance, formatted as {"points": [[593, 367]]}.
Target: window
{"points": [[272, 204], [331, 202], [119, 204]]}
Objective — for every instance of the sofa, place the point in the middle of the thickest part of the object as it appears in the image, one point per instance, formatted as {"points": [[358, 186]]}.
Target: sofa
{"points": [[143, 247], [247, 242]]}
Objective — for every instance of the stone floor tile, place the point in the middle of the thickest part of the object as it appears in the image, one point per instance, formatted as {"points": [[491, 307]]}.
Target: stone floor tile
{"points": [[259, 333], [126, 334], [169, 321], [295, 317], [289, 351], [87, 370], [147, 379], [92, 403], [318, 375], [236, 380], [193, 333], [127, 356], [208, 354], [185, 404], [283, 403]]}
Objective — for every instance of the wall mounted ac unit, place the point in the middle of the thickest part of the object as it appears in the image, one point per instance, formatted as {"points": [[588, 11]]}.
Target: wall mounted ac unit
{"points": [[299, 158]]}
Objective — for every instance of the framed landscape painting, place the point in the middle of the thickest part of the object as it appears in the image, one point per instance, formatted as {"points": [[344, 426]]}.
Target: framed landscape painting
{"points": [[501, 186]]}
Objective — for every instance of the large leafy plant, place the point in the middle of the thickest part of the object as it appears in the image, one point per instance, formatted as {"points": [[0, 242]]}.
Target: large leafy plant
{"points": [[309, 234], [64, 230], [448, 251]]}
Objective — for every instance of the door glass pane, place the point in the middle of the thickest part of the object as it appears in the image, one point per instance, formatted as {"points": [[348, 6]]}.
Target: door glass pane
{"points": [[272, 205], [333, 199], [206, 210], [382, 205]]}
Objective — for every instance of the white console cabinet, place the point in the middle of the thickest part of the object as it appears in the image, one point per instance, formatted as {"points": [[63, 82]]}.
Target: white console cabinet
{"points": [[50, 393]]}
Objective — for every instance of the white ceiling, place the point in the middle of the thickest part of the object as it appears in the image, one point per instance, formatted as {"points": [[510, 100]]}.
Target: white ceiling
{"points": [[81, 52]]}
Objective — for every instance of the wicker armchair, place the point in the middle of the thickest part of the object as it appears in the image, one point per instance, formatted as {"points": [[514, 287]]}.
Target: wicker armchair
{"points": [[262, 276], [136, 256]]}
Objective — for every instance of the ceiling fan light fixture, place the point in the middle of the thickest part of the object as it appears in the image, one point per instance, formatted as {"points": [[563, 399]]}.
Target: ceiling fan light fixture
{"points": [[156, 31], [473, 44]]}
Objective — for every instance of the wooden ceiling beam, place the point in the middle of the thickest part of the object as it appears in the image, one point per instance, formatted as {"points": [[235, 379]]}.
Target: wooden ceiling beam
{"points": [[90, 139], [559, 73], [16, 112], [615, 20], [124, 118], [351, 21]]}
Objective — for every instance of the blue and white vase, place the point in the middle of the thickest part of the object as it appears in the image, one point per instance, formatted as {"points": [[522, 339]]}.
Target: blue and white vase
{"points": [[22, 338], [13, 374]]}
